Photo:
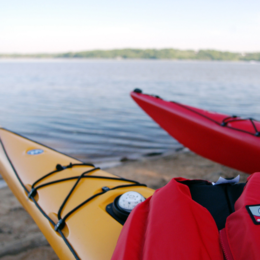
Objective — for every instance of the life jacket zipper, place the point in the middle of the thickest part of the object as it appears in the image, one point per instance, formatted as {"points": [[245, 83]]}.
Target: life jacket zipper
{"points": [[225, 246]]}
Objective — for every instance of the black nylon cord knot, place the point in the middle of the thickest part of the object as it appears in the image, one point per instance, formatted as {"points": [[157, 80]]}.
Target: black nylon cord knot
{"points": [[69, 166], [32, 193], [105, 188], [60, 225], [59, 167]]}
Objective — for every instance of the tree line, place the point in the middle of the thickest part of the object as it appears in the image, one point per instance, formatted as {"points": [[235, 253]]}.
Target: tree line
{"points": [[168, 54]]}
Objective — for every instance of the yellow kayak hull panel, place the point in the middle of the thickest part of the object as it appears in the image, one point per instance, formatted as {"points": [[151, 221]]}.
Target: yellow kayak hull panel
{"points": [[89, 232]]}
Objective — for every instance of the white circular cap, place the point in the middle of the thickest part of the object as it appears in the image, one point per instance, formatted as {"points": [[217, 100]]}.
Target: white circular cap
{"points": [[129, 200]]}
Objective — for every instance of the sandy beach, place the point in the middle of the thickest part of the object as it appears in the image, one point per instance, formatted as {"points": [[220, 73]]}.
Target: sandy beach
{"points": [[20, 238]]}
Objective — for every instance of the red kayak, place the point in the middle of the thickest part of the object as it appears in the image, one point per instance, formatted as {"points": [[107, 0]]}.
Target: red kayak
{"points": [[229, 140]]}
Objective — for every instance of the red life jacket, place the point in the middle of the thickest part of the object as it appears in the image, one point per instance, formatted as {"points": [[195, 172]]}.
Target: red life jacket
{"points": [[240, 238], [171, 225]]}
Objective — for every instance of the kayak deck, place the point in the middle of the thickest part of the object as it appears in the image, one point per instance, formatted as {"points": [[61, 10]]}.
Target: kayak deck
{"points": [[88, 232], [231, 141]]}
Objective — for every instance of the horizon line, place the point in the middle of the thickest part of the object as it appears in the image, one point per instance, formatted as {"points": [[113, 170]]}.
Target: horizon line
{"points": [[125, 48]]}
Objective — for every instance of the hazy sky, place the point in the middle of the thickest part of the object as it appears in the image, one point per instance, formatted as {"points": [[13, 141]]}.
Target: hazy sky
{"points": [[60, 26]]}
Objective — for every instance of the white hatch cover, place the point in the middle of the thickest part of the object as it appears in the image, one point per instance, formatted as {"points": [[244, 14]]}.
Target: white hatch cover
{"points": [[129, 200]]}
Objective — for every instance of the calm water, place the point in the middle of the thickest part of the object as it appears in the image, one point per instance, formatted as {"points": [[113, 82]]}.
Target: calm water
{"points": [[83, 107]]}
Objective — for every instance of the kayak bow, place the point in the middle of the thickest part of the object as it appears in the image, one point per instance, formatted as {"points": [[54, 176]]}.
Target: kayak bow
{"points": [[229, 140]]}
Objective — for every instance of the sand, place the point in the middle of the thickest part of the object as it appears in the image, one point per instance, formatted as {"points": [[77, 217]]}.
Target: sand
{"points": [[20, 238]]}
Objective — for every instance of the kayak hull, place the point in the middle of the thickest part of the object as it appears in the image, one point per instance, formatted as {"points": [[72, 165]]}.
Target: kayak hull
{"points": [[89, 232], [201, 132]]}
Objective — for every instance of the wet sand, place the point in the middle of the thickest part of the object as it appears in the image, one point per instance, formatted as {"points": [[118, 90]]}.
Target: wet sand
{"points": [[20, 238]]}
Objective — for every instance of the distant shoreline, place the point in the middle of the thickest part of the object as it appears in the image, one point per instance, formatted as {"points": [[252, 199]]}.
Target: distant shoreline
{"points": [[143, 54], [35, 59]]}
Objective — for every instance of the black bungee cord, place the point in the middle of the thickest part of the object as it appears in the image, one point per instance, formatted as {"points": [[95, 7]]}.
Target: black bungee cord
{"points": [[59, 167], [61, 220], [224, 122]]}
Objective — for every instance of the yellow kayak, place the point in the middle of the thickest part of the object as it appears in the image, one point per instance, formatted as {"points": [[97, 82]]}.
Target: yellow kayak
{"points": [[78, 207]]}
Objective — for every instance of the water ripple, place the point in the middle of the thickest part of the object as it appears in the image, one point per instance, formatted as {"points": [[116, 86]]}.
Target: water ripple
{"points": [[83, 107]]}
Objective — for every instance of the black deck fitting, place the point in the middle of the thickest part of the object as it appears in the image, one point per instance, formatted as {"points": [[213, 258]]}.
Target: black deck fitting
{"points": [[138, 90]]}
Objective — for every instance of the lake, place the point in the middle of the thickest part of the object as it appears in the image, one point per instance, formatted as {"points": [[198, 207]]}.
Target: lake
{"points": [[83, 107]]}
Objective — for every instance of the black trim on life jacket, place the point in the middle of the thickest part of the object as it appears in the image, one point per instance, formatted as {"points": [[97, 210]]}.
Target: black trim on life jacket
{"points": [[219, 199]]}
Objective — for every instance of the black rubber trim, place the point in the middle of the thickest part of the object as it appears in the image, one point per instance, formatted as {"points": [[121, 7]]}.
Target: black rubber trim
{"points": [[122, 214], [110, 211]]}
